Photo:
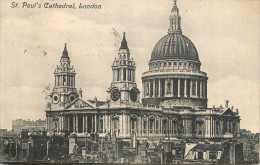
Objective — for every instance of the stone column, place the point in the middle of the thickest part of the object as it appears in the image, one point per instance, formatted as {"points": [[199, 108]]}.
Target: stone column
{"points": [[179, 87], [196, 88], [149, 92], [129, 124], [185, 87], [161, 130], [86, 123], [204, 89], [201, 89], [96, 122], [133, 78], [190, 87], [124, 124], [62, 123], [119, 123], [171, 87], [83, 123], [143, 86], [153, 88], [92, 125], [165, 87], [159, 87], [74, 123], [122, 74], [127, 75], [77, 123], [141, 121], [60, 77]]}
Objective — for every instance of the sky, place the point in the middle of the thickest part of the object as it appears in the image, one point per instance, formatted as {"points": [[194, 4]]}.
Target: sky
{"points": [[226, 34]]}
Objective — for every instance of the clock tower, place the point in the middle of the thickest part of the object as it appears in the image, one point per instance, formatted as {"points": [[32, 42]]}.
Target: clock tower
{"points": [[123, 89], [64, 91]]}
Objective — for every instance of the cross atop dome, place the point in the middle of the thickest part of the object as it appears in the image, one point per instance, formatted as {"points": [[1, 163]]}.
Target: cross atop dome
{"points": [[175, 8]]}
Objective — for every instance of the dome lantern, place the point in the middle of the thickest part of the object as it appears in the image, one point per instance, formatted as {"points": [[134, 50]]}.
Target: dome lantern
{"points": [[175, 20]]}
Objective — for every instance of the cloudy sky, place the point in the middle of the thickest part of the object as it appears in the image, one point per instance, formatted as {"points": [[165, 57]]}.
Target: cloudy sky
{"points": [[225, 32]]}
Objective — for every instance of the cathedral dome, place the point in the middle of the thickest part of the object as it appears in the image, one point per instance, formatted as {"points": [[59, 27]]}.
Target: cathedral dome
{"points": [[174, 46]]}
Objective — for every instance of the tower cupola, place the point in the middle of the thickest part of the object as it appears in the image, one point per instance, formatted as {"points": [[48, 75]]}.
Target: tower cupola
{"points": [[123, 88]]}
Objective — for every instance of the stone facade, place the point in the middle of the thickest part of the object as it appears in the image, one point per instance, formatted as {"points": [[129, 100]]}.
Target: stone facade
{"points": [[174, 98]]}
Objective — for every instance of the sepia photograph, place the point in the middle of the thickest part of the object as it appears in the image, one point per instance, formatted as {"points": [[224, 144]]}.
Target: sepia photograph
{"points": [[129, 82]]}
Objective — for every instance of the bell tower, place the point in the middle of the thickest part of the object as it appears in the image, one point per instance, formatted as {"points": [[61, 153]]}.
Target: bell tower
{"points": [[64, 90], [123, 89]]}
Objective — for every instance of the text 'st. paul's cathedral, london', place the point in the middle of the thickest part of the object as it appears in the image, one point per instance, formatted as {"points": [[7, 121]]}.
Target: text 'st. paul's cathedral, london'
{"points": [[171, 106]]}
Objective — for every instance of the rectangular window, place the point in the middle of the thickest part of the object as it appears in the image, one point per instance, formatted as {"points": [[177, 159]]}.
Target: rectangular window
{"points": [[115, 124], [144, 126], [157, 126], [189, 64], [169, 63], [118, 74], [179, 63], [101, 125], [200, 155], [175, 63], [133, 124], [212, 155], [165, 64], [151, 125]]}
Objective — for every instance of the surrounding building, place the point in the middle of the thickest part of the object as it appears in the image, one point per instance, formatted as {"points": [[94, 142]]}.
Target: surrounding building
{"points": [[18, 125], [250, 143]]}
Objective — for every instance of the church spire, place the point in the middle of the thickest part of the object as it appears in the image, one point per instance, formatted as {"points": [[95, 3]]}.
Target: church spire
{"points": [[65, 52], [124, 43], [175, 20]]}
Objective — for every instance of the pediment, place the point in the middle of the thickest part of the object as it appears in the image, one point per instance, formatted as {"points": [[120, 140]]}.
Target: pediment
{"points": [[80, 103], [228, 112]]}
